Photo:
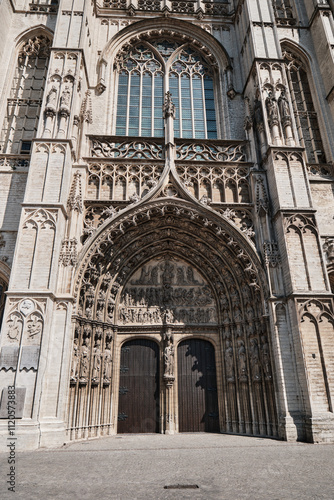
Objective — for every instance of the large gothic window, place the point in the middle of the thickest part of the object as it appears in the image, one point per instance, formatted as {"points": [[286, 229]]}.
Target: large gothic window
{"points": [[145, 72], [306, 116], [25, 99]]}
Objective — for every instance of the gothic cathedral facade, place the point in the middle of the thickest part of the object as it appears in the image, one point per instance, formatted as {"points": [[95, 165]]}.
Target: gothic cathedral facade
{"points": [[166, 218]]}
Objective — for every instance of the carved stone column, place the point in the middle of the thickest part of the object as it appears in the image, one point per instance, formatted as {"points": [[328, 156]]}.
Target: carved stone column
{"points": [[169, 378]]}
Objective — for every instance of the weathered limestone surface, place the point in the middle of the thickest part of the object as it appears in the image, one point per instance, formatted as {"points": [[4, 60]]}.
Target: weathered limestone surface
{"points": [[109, 236]]}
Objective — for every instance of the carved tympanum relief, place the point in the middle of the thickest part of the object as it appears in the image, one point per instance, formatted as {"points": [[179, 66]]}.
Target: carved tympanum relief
{"points": [[167, 291]]}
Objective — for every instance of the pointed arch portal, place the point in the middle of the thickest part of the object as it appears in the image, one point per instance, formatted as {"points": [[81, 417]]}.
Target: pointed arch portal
{"points": [[167, 274]]}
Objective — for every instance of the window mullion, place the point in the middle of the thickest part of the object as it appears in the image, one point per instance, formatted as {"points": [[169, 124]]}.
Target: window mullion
{"points": [[192, 105], [140, 101], [152, 104], [180, 105], [128, 105], [204, 108]]}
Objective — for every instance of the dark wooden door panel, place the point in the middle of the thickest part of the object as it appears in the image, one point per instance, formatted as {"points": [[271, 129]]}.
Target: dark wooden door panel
{"points": [[138, 408], [197, 387]]}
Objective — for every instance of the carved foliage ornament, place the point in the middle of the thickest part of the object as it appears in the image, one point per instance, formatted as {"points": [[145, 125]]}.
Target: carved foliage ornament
{"points": [[36, 46]]}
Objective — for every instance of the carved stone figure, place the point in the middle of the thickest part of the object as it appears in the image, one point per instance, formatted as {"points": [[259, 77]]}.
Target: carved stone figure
{"points": [[258, 115], [237, 315], [180, 278], [255, 359], [51, 99], [84, 361], [169, 353], [169, 107], [242, 361], [266, 358], [190, 276], [134, 198], [75, 361], [205, 200], [168, 316], [329, 249], [272, 109], [283, 105], [168, 272], [107, 364], [65, 97], [96, 371], [229, 362]]}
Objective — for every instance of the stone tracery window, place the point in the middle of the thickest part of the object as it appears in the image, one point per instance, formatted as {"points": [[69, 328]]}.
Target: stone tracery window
{"points": [[306, 116], [25, 99], [284, 12], [145, 72]]}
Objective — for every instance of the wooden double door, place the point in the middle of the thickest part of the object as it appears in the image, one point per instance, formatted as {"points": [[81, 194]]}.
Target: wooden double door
{"points": [[197, 387], [139, 387], [138, 407]]}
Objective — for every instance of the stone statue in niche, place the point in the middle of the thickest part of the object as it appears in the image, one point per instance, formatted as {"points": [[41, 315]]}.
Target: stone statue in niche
{"points": [[169, 353], [65, 97], [258, 115], [272, 109], [226, 317], [100, 314], [89, 306], [75, 361], [84, 361], [51, 99], [229, 362], [107, 364], [237, 315], [96, 371], [255, 359], [283, 105], [266, 358], [242, 361], [250, 313]]}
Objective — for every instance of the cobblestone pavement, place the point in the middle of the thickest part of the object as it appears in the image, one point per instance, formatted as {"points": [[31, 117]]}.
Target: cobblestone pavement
{"points": [[131, 467]]}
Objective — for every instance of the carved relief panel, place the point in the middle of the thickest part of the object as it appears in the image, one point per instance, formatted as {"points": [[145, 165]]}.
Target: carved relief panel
{"points": [[22, 332], [167, 291]]}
